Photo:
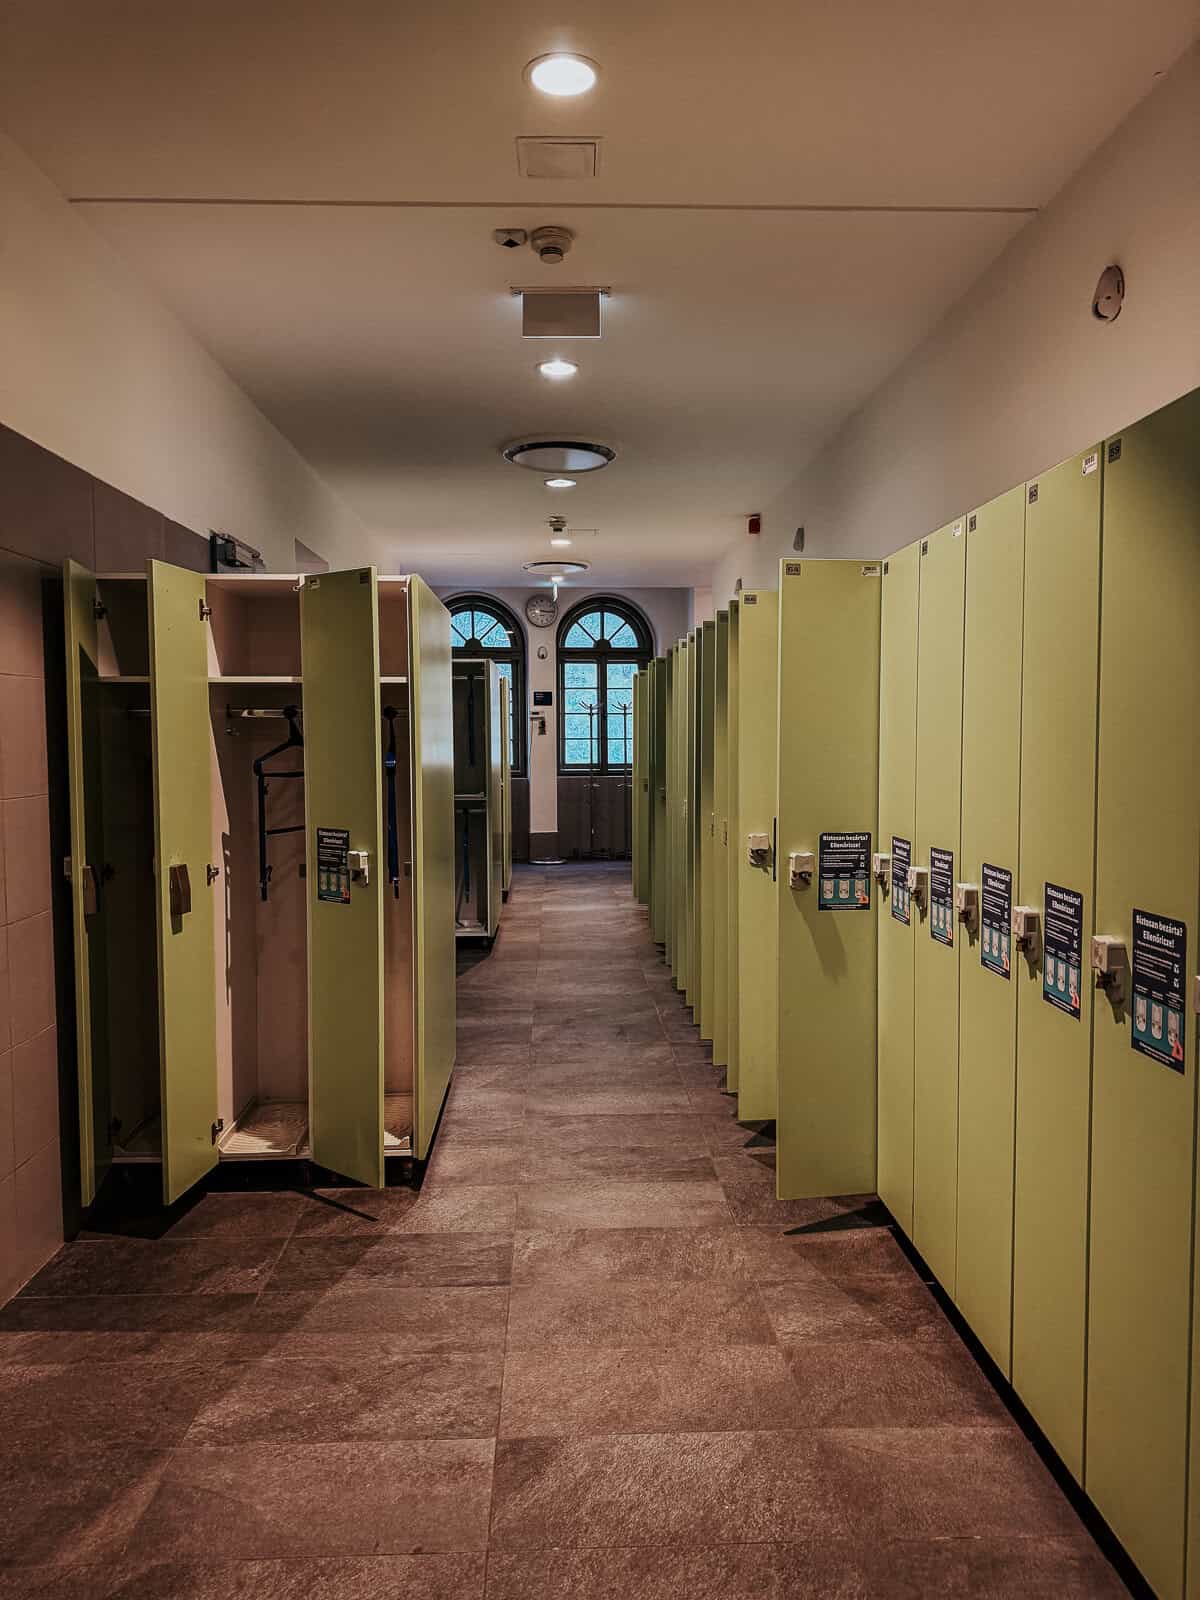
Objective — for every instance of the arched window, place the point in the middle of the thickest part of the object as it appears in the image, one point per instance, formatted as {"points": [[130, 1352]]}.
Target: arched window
{"points": [[482, 626], [601, 644]]}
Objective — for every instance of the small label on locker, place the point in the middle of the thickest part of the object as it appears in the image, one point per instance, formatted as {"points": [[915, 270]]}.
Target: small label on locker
{"points": [[1033, 494], [1062, 949], [956, 530], [995, 921], [1114, 451], [333, 865], [885, 569], [972, 522], [872, 569], [793, 569], [1159, 965], [844, 872], [749, 599], [1090, 463], [924, 547], [901, 893], [941, 895]]}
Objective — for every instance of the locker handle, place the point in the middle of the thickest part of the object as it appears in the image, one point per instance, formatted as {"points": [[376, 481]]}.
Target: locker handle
{"points": [[179, 890], [86, 885]]}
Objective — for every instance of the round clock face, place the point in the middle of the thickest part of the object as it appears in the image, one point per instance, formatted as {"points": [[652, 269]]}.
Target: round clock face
{"points": [[541, 610]]}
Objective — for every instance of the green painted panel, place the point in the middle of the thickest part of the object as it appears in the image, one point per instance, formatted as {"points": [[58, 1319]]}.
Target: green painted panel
{"points": [[339, 633], [705, 728], [82, 664], [692, 842], [639, 786], [495, 793], [432, 725], [758, 925], [720, 843], [505, 688], [828, 718], [935, 1017], [181, 742], [1144, 1113], [669, 808], [991, 773], [1058, 801], [660, 851], [897, 818], [733, 851]]}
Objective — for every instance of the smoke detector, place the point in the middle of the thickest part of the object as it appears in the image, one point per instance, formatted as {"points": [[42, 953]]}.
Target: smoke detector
{"points": [[550, 244]]}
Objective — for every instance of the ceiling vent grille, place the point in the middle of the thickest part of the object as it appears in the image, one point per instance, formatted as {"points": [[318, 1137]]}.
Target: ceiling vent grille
{"points": [[567, 160]]}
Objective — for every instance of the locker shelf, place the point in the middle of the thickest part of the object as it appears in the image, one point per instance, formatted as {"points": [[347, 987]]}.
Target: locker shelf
{"points": [[397, 1124], [128, 677], [144, 1144], [267, 1128], [255, 582], [258, 678], [393, 680]]}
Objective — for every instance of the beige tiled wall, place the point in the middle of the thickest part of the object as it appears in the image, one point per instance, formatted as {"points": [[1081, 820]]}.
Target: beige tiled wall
{"points": [[48, 510]]}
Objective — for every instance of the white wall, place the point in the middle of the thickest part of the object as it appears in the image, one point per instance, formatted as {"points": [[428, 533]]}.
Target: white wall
{"points": [[666, 610], [93, 368], [1020, 374]]}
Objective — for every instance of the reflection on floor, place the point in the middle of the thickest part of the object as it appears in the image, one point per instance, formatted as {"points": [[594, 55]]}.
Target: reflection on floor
{"points": [[592, 1359]]}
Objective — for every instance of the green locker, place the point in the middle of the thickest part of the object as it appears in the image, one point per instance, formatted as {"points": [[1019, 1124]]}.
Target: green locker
{"points": [[828, 777], [691, 758], [1143, 1195], [897, 819], [670, 874], [658, 801], [478, 798], [720, 842], [505, 787], [988, 999], [1054, 1046], [705, 731], [640, 784], [935, 1014], [757, 915], [732, 857]]}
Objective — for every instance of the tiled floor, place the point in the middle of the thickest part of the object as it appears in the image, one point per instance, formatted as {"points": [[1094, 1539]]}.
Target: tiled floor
{"points": [[591, 1360]]}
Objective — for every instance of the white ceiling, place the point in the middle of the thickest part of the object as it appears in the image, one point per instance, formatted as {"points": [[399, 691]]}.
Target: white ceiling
{"points": [[790, 196]]}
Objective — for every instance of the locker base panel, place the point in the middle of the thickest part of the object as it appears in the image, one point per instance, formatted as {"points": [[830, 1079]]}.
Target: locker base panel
{"points": [[267, 1129]]}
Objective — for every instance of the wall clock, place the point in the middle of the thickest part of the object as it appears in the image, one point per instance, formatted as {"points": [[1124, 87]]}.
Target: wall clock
{"points": [[541, 610]]}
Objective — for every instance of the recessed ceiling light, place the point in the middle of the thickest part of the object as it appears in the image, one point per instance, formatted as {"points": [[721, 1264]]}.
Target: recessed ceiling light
{"points": [[560, 483], [562, 75], [557, 368], [560, 543]]}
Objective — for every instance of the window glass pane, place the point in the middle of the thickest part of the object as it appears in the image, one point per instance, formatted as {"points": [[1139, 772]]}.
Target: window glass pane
{"points": [[578, 638], [579, 674], [575, 752], [494, 635], [618, 753], [460, 628], [578, 726], [623, 638], [578, 699], [619, 674]]}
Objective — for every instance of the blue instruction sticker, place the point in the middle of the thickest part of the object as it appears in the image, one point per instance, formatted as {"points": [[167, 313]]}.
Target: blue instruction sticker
{"points": [[1159, 965], [901, 897], [995, 921]]}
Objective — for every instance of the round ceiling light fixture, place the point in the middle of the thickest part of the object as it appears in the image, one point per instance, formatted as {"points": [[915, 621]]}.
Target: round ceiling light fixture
{"points": [[560, 483], [554, 570], [557, 368], [558, 456], [562, 74]]}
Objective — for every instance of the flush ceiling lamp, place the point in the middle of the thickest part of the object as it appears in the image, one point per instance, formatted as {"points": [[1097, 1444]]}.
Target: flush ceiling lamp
{"points": [[558, 457], [553, 569], [562, 74]]}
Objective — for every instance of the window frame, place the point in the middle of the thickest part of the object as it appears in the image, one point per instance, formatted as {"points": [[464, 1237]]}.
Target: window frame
{"points": [[601, 653], [514, 654]]}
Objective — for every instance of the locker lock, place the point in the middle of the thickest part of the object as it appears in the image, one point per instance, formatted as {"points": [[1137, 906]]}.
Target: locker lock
{"points": [[1026, 924], [360, 869], [801, 866], [758, 849], [918, 883], [1108, 961], [966, 903], [881, 866]]}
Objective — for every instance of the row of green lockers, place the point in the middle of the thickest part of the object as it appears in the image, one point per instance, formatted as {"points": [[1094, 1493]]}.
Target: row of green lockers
{"points": [[922, 841]]}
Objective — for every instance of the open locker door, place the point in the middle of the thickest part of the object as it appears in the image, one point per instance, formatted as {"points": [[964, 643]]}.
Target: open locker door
{"points": [[432, 723], [181, 741], [82, 651], [495, 792], [343, 768]]}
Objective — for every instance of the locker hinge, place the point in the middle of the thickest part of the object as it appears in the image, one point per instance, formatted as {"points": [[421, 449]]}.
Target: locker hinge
{"points": [[99, 610], [217, 1129], [212, 874], [205, 611]]}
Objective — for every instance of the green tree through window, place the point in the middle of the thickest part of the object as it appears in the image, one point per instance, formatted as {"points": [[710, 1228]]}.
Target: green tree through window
{"points": [[482, 626], [601, 644]]}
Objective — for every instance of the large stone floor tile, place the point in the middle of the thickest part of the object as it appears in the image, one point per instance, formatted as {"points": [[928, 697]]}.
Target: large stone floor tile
{"points": [[631, 1204], [352, 1323], [621, 1313], [139, 1403], [157, 1267], [579, 1255], [428, 1259], [76, 1504]]}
